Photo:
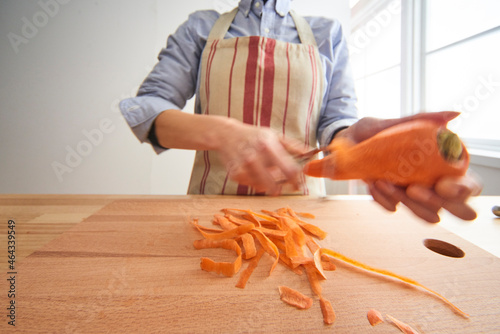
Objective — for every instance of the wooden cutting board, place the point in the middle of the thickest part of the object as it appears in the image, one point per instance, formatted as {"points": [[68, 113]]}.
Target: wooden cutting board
{"points": [[131, 267]]}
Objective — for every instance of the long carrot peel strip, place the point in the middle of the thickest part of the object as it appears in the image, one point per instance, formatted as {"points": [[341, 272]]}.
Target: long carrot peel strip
{"points": [[226, 234], [405, 328], [297, 232], [245, 274], [392, 275], [374, 317], [225, 268], [268, 246], [313, 279], [327, 310], [294, 298], [313, 229]]}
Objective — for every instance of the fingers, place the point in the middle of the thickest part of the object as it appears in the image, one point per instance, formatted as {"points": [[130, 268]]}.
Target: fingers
{"points": [[381, 198], [425, 210], [263, 163], [369, 126], [459, 188], [425, 202]]}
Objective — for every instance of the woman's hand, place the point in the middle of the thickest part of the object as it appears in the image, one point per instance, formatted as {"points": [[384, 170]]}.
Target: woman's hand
{"points": [[259, 158], [450, 193]]}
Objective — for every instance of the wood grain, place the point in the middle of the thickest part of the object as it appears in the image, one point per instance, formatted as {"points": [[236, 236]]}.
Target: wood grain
{"points": [[131, 267]]}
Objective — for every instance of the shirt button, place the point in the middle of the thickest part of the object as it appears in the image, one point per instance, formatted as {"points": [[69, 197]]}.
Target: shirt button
{"points": [[257, 4], [266, 31]]}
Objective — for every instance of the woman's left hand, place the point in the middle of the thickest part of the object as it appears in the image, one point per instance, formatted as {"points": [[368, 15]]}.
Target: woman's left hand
{"points": [[450, 193]]}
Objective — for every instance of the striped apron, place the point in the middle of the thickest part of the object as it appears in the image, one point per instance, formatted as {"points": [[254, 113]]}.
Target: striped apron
{"points": [[263, 82]]}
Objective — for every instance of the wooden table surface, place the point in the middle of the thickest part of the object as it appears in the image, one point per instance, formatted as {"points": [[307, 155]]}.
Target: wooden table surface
{"points": [[96, 263]]}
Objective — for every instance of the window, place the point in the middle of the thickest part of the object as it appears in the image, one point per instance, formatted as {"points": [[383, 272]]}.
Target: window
{"points": [[410, 56], [462, 71], [375, 47], [430, 55]]}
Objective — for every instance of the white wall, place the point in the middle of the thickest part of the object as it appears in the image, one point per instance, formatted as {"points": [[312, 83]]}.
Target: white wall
{"points": [[64, 65]]}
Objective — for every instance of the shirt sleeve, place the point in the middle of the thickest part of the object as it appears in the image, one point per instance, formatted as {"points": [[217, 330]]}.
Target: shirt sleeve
{"points": [[173, 80], [339, 101]]}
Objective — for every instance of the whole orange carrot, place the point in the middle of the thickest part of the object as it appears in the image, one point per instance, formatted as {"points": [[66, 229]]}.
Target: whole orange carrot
{"points": [[416, 151]]}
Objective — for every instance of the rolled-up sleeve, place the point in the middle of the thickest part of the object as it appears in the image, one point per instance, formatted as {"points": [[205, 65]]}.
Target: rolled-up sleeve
{"points": [[173, 80], [339, 102]]}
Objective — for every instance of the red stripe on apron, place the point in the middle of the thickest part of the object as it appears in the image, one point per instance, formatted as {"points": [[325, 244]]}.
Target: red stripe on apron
{"points": [[207, 90], [268, 84], [250, 78], [249, 98], [287, 87]]}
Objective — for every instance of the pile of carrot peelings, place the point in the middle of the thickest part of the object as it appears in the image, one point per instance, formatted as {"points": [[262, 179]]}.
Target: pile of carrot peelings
{"points": [[290, 240]]}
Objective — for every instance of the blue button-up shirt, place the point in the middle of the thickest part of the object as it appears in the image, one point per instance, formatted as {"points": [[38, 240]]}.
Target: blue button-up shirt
{"points": [[174, 79]]}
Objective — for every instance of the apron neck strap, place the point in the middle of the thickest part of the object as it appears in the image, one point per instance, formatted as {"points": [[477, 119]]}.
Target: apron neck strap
{"points": [[304, 29], [222, 25]]}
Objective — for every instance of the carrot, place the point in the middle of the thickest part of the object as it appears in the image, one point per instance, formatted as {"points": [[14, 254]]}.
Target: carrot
{"points": [[297, 232], [313, 279], [416, 151], [245, 274], [225, 268], [392, 275], [317, 264], [279, 234], [327, 263], [294, 298], [327, 310], [287, 262], [310, 228], [242, 229], [374, 317], [248, 246], [402, 326], [225, 223], [290, 249], [268, 246], [306, 215]]}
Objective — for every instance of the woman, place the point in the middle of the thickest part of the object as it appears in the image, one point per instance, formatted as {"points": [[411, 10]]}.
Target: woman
{"points": [[269, 84]]}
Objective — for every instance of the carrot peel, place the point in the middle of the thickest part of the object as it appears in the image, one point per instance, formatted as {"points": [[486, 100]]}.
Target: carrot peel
{"points": [[374, 317], [327, 310], [403, 327], [226, 268], [295, 298], [387, 273]]}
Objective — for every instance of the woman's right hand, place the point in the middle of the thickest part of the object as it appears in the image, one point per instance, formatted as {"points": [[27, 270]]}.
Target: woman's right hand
{"points": [[260, 158]]}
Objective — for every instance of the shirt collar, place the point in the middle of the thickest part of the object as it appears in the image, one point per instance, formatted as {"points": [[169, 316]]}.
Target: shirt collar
{"points": [[282, 7]]}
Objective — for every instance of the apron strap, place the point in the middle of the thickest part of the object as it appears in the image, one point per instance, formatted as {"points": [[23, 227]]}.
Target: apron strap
{"points": [[222, 25], [304, 29]]}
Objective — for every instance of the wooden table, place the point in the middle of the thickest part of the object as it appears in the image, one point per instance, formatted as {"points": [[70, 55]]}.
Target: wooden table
{"points": [[118, 264]]}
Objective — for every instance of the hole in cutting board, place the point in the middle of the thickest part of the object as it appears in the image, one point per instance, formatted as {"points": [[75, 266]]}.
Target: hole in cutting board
{"points": [[443, 248]]}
